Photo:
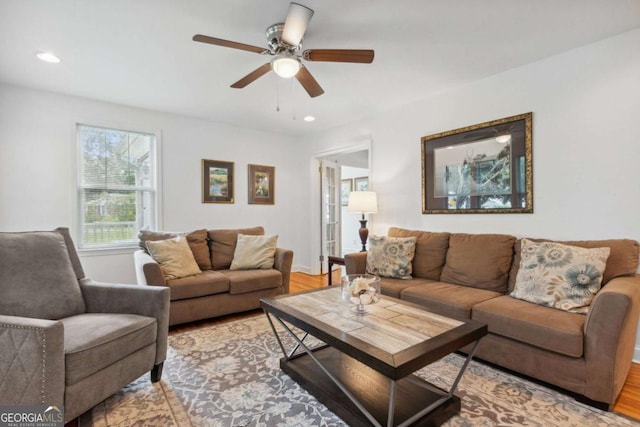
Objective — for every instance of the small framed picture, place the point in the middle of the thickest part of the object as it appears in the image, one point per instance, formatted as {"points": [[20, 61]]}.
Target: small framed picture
{"points": [[262, 181], [346, 187], [361, 184], [217, 181]]}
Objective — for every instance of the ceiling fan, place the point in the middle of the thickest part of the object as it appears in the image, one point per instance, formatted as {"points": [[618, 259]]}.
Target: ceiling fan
{"points": [[284, 44]]}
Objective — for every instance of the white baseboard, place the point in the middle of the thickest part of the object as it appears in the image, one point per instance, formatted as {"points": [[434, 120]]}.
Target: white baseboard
{"points": [[301, 269], [636, 354]]}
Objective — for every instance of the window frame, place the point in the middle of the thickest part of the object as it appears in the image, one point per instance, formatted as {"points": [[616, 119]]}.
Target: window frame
{"points": [[154, 189]]}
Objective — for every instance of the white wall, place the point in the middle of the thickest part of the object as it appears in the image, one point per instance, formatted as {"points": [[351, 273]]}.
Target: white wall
{"points": [[37, 171], [586, 146]]}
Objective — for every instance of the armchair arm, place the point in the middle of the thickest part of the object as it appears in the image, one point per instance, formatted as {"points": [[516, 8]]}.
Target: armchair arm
{"points": [[283, 262], [610, 333], [148, 271], [32, 361], [151, 301], [355, 263]]}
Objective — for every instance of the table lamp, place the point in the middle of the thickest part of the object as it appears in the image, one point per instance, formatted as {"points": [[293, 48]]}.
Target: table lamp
{"points": [[363, 202]]}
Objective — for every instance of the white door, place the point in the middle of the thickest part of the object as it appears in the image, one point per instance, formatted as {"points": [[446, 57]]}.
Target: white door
{"points": [[330, 205]]}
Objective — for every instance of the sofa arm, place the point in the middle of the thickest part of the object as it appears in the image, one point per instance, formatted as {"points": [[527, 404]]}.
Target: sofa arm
{"points": [[151, 301], [610, 334], [148, 271], [32, 361], [283, 262], [355, 263]]}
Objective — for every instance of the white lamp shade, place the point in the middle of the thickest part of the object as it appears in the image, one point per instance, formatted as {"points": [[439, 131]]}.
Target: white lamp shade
{"points": [[363, 201]]}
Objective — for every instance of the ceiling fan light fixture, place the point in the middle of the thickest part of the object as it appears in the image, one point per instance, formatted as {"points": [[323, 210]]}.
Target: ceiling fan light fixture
{"points": [[286, 66]]}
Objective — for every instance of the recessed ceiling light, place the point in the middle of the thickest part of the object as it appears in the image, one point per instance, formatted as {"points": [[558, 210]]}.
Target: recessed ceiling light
{"points": [[309, 118], [48, 57]]}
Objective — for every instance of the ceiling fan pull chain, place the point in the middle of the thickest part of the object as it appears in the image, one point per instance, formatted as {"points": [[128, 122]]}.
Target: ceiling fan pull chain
{"points": [[277, 95]]}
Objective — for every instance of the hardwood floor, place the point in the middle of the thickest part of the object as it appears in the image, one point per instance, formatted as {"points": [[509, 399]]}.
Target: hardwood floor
{"points": [[628, 403]]}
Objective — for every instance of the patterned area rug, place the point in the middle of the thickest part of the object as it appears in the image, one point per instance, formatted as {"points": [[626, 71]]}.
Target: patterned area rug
{"points": [[228, 375]]}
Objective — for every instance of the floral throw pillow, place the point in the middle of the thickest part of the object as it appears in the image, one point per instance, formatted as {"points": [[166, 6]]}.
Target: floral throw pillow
{"points": [[390, 256], [560, 276]]}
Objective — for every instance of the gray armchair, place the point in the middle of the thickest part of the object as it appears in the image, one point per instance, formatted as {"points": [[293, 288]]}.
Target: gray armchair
{"points": [[65, 339]]}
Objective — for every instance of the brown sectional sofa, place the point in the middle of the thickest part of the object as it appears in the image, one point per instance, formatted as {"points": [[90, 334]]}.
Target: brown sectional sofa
{"points": [[217, 290], [471, 275]]}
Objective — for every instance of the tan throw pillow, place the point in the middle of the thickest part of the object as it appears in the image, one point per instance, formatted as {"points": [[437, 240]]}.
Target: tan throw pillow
{"points": [[431, 251], [174, 256], [223, 245], [390, 256], [198, 242], [559, 276], [253, 252]]}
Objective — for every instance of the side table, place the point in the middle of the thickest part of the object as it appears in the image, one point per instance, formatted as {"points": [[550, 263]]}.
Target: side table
{"points": [[334, 260]]}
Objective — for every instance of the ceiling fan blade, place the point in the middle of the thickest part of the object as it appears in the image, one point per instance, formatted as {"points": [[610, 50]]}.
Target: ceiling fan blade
{"points": [[226, 43], [252, 76], [295, 25], [308, 82], [339, 55]]}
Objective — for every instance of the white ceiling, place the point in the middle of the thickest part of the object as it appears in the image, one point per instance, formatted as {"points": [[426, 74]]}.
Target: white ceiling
{"points": [[140, 52]]}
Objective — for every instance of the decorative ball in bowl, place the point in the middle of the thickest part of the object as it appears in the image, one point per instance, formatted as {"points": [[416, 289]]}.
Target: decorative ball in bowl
{"points": [[360, 290]]}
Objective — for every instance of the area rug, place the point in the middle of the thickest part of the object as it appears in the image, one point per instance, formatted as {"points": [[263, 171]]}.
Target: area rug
{"points": [[228, 375]]}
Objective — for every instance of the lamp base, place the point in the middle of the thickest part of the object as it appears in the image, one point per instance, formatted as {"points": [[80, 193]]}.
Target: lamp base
{"points": [[364, 233]]}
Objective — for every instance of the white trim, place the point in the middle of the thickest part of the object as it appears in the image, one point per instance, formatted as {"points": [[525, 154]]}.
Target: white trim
{"points": [[75, 179], [636, 354], [93, 252], [301, 269], [314, 241]]}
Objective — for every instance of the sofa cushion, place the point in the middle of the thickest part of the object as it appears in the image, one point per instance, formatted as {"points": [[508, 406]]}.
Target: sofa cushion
{"points": [[544, 327], [560, 276], [243, 281], [208, 282], [622, 261], [223, 245], [174, 256], [479, 260], [37, 278], [254, 252], [93, 341], [394, 287], [447, 299], [390, 256], [430, 254], [198, 243]]}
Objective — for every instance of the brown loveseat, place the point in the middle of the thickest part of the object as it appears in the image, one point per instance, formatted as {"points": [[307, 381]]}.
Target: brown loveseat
{"points": [[471, 275], [217, 290]]}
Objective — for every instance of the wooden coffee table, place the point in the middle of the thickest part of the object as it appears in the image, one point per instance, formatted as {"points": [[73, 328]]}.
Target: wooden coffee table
{"points": [[363, 371]]}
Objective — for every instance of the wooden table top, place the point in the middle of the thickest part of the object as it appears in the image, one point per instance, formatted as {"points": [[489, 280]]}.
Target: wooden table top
{"points": [[394, 337]]}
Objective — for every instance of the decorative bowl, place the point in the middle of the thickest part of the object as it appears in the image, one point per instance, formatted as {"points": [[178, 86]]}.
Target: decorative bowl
{"points": [[360, 290]]}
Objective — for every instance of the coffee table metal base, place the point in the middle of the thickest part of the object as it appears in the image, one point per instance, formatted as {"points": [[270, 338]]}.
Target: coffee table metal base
{"points": [[362, 396], [370, 388]]}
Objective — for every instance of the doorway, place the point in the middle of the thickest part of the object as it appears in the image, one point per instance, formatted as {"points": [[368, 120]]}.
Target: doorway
{"points": [[337, 228]]}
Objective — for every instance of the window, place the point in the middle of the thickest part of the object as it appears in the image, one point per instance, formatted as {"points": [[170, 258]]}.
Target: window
{"points": [[116, 186]]}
